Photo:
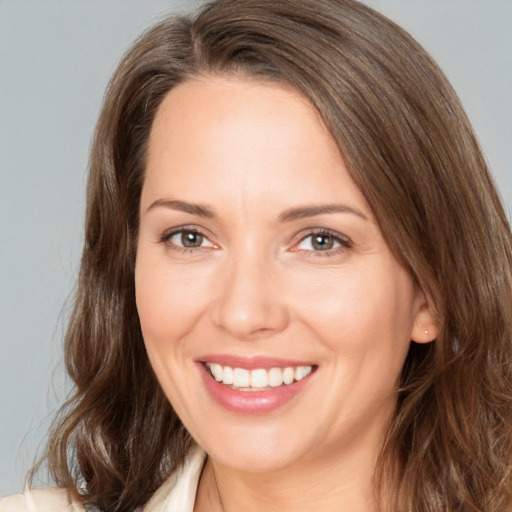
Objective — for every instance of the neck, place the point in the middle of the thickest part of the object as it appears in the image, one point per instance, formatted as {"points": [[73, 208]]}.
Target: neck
{"points": [[340, 483]]}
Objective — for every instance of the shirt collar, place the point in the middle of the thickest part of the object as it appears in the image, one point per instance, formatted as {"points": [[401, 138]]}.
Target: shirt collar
{"points": [[178, 492]]}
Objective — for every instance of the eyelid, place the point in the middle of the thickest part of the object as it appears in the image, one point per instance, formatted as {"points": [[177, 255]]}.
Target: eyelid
{"points": [[166, 236], [344, 241]]}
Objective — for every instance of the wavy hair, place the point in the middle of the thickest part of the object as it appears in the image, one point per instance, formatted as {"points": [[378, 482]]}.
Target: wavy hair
{"points": [[412, 152]]}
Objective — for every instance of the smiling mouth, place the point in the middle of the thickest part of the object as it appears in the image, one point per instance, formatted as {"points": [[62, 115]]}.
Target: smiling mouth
{"points": [[260, 379]]}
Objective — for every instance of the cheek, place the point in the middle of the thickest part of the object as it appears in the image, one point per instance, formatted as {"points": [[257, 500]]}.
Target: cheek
{"points": [[168, 310], [168, 304], [365, 310]]}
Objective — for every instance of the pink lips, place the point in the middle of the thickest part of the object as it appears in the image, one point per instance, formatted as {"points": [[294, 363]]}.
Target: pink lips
{"points": [[251, 402]]}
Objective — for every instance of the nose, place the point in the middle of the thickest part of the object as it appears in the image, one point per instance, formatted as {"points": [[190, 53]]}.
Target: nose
{"points": [[249, 303]]}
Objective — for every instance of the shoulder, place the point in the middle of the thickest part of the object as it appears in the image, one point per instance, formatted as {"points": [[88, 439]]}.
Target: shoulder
{"points": [[54, 499], [177, 493]]}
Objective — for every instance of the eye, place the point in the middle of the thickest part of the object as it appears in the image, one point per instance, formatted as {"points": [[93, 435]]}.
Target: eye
{"points": [[186, 239], [324, 241], [319, 242]]}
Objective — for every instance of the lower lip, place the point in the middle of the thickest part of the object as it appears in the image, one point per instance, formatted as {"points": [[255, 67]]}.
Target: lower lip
{"points": [[251, 402]]}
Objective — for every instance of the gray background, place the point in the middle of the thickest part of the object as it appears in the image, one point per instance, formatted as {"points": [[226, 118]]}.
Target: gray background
{"points": [[55, 60]]}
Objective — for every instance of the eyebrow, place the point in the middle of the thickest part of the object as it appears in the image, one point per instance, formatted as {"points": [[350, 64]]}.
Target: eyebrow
{"points": [[289, 215], [311, 211], [182, 206]]}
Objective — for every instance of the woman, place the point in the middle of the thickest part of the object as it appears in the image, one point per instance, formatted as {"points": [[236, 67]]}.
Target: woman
{"points": [[295, 288]]}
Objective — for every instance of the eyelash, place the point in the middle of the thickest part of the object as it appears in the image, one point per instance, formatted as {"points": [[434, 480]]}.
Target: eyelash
{"points": [[344, 242], [166, 237]]}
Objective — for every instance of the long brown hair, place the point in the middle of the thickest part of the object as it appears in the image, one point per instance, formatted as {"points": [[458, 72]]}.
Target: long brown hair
{"points": [[410, 149]]}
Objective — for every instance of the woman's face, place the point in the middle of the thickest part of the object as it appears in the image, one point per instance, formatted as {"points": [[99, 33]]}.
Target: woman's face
{"points": [[258, 260]]}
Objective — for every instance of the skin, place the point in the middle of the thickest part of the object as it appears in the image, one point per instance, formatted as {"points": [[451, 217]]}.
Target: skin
{"points": [[256, 285]]}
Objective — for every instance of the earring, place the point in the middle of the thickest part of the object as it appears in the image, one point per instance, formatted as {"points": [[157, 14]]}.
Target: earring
{"points": [[426, 332]]}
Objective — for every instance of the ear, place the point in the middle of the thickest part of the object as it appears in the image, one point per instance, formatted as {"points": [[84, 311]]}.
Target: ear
{"points": [[424, 329]]}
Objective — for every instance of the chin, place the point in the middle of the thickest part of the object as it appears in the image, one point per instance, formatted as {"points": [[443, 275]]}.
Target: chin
{"points": [[257, 448]]}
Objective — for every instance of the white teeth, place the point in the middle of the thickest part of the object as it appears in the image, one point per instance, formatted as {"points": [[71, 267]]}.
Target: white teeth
{"points": [[228, 375], [241, 378], [252, 380], [259, 378], [275, 377], [217, 372], [302, 371], [288, 375]]}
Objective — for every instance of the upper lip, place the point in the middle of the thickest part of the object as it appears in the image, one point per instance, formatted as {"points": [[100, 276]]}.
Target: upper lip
{"points": [[252, 362]]}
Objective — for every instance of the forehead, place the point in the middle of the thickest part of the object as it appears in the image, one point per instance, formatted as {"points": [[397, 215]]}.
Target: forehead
{"points": [[210, 108], [243, 137]]}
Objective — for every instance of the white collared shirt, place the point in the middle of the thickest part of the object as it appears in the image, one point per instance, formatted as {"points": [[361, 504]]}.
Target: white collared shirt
{"points": [[177, 493]]}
